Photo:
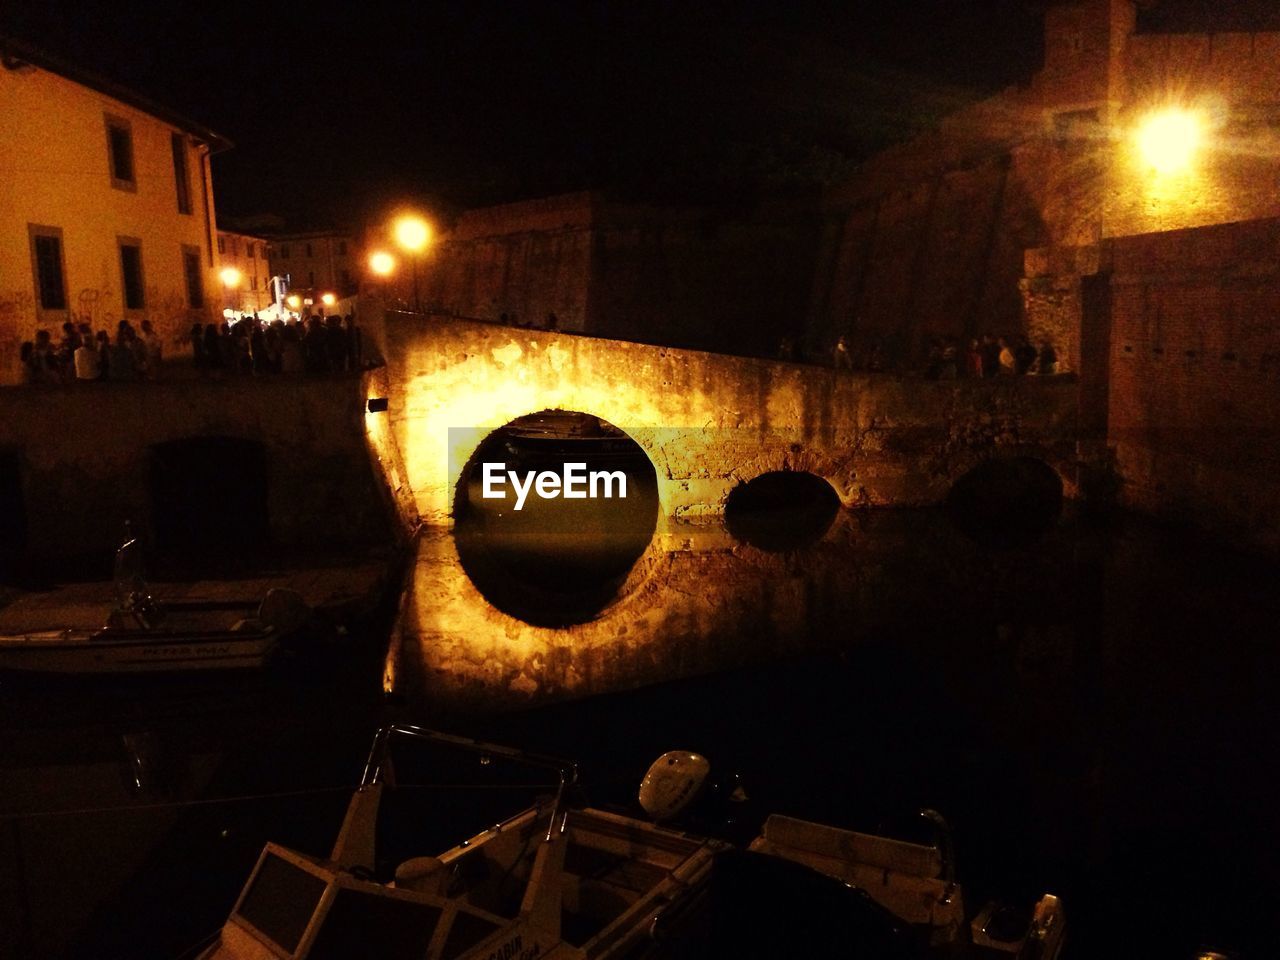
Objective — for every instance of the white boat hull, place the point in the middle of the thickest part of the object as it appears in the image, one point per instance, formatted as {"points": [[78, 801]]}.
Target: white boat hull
{"points": [[134, 652]]}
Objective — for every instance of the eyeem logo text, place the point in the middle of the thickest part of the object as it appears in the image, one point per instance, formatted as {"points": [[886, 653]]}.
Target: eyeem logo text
{"points": [[575, 483]]}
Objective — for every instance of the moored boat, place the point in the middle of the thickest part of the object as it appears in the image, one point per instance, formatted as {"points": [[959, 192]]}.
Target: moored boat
{"points": [[563, 880], [143, 634]]}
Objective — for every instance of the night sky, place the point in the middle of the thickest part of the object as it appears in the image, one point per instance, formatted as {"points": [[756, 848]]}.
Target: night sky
{"points": [[338, 109]]}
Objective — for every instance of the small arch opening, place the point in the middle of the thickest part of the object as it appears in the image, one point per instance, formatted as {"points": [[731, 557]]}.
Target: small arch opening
{"points": [[555, 561], [209, 498], [1007, 502], [781, 511]]}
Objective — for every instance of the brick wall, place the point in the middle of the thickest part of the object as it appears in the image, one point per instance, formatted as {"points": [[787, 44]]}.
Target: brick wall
{"points": [[1195, 375]]}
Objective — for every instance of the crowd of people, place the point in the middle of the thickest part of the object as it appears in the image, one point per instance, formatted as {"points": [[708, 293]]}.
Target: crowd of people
{"points": [[944, 359], [83, 354], [249, 346], [257, 347]]}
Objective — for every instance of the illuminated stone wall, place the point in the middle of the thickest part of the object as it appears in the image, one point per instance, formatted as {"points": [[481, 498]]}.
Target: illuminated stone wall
{"points": [[931, 235], [55, 172], [1232, 81], [1195, 376], [707, 421]]}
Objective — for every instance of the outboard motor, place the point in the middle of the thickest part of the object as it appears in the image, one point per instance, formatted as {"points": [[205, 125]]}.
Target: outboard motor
{"points": [[681, 789]]}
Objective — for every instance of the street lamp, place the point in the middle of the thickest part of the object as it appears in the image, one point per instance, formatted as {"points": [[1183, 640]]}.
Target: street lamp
{"points": [[382, 263], [412, 234], [230, 277], [1168, 139]]}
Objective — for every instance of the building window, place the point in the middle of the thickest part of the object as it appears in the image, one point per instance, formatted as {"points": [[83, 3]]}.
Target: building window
{"points": [[308, 249], [179, 144], [342, 247], [311, 278], [284, 251], [346, 279], [195, 277], [222, 244], [46, 261], [131, 272], [250, 246], [120, 153]]}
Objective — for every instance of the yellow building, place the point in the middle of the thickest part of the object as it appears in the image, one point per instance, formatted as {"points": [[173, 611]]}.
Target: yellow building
{"points": [[317, 263], [106, 209], [245, 274]]}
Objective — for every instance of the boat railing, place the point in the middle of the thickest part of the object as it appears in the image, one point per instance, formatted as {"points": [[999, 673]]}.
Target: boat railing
{"points": [[378, 763]]}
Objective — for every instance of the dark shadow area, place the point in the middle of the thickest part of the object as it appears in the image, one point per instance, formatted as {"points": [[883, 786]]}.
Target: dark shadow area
{"points": [[555, 561], [209, 497], [13, 512], [781, 511], [1006, 503]]}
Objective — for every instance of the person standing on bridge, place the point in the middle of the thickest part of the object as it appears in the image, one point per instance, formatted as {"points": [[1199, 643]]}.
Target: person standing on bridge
{"points": [[840, 354]]}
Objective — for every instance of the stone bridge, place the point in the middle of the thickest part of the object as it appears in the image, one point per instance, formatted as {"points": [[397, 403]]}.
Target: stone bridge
{"points": [[697, 600], [707, 421]]}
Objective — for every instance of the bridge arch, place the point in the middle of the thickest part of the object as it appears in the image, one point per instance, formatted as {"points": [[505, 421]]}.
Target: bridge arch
{"points": [[781, 510], [1006, 500], [551, 561]]}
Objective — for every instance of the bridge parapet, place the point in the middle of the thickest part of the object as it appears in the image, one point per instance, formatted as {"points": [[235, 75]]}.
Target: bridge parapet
{"points": [[709, 421]]}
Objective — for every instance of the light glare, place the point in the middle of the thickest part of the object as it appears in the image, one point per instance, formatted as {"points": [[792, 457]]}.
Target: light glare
{"points": [[412, 233], [230, 277], [382, 263], [1168, 140]]}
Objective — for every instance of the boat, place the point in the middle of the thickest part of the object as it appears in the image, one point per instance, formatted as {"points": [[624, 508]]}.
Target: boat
{"points": [[564, 880], [143, 634]]}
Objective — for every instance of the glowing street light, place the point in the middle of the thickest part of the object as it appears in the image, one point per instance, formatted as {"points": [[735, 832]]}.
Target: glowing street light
{"points": [[328, 299], [230, 278], [412, 234], [1168, 139], [294, 301], [382, 263]]}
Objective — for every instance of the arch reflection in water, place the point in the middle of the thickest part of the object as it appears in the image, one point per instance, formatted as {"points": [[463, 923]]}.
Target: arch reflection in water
{"points": [[1006, 502], [555, 562], [781, 511]]}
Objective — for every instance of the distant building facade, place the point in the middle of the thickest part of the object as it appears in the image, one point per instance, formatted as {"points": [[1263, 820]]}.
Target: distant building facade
{"points": [[247, 255], [106, 209], [317, 263]]}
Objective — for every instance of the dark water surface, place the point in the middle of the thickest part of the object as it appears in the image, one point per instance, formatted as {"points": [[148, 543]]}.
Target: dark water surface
{"points": [[1098, 718]]}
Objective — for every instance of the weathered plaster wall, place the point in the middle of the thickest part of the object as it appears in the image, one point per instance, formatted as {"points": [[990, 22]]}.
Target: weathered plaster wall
{"points": [[1195, 376], [84, 455], [55, 173], [709, 421]]}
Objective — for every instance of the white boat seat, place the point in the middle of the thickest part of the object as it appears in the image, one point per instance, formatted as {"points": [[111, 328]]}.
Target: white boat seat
{"points": [[423, 875], [904, 878], [899, 856]]}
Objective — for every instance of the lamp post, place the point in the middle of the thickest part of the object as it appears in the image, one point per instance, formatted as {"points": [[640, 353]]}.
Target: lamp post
{"points": [[412, 233]]}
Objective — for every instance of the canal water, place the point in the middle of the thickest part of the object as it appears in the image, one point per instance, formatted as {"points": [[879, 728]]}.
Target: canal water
{"points": [[1094, 712]]}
